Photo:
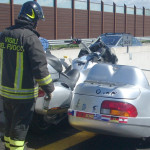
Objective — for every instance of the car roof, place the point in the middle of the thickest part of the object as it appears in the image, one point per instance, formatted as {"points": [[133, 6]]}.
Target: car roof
{"points": [[112, 34]]}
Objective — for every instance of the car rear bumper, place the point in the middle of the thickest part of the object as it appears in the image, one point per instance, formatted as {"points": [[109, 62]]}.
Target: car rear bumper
{"points": [[114, 127]]}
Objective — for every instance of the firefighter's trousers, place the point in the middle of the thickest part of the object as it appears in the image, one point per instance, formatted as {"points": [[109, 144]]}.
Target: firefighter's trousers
{"points": [[18, 115]]}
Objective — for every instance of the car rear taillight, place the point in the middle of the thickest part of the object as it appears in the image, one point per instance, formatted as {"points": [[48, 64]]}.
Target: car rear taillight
{"points": [[41, 93], [118, 109]]}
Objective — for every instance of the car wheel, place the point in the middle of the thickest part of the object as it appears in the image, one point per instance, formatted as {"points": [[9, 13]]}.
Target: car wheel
{"points": [[39, 125]]}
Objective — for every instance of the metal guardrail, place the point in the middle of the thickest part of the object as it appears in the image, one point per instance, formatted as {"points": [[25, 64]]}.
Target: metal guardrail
{"points": [[62, 42], [57, 42], [143, 38]]}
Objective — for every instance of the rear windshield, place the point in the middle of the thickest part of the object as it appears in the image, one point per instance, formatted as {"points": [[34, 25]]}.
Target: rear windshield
{"points": [[110, 40]]}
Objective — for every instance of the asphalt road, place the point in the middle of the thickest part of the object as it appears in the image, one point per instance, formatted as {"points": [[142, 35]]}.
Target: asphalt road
{"points": [[65, 137]]}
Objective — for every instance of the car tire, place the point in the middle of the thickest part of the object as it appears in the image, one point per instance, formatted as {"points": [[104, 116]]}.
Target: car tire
{"points": [[39, 125]]}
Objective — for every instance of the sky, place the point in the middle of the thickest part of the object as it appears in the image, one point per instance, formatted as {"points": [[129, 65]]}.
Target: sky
{"points": [[129, 3]]}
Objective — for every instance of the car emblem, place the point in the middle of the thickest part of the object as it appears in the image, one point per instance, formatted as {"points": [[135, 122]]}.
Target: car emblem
{"points": [[98, 91], [113, 93]]}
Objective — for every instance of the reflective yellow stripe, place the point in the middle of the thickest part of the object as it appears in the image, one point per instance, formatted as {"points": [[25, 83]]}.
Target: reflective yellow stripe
{"points": [[7, 145], [19, 71], [1, 64], [45, 80], [6, 139], [47, 77], [33, 14], [18, 96], [17, 148], [12, 90], [16, 143]]}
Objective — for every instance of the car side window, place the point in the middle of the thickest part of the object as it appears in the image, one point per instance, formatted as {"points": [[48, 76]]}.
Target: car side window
{"points": [[135, 42], [120, 43]]}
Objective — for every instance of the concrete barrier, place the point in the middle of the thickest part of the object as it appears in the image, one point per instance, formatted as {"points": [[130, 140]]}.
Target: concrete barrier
{"points": [[137, 56]]}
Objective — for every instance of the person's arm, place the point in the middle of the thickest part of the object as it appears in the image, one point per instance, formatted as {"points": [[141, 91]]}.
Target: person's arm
{"points": [[38, 63]]}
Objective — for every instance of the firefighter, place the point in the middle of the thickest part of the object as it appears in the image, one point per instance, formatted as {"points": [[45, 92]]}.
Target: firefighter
{"points": [[23, 67]]}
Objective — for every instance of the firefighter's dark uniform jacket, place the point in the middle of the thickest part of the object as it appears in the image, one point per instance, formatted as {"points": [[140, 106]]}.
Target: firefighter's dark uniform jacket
{"points": [[22, 63], [23, 67]]}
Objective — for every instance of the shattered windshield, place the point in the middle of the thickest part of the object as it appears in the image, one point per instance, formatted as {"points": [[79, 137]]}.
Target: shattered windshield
{"points": [[110, 40]]}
